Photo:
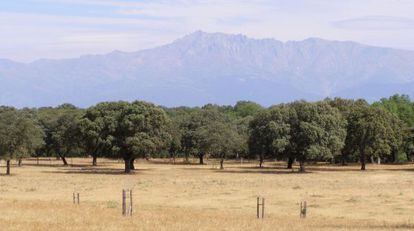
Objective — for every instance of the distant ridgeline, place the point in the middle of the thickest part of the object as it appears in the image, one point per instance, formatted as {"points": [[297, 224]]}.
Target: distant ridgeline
{"points": [[202, 68], [333, 130]]}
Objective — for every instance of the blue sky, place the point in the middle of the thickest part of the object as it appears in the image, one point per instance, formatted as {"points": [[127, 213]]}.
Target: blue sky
{"points": [[33, 29]]}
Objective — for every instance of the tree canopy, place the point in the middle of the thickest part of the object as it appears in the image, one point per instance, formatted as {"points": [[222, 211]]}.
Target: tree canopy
{"points": [[330, 130], [20, 134], [300, 130]]}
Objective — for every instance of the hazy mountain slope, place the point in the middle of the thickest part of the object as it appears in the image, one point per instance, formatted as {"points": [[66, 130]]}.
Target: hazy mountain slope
{"points": [[218, 68]]}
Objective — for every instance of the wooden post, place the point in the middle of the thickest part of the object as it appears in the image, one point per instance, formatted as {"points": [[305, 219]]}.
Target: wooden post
{"points": [[75, 197], [263, 207], [123, 202], [127, 202], [130, 202], [303, 209], [258, 207]]}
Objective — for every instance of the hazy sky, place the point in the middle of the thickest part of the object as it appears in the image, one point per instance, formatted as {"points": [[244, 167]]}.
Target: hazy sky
{"points": [[32, 29]]}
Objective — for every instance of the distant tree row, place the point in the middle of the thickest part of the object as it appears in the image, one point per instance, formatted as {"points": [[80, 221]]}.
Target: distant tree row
{"points": [[334, 130]]}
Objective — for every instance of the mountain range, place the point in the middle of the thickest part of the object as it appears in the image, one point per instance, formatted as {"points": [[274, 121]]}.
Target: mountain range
{"points": [[202, 68]]}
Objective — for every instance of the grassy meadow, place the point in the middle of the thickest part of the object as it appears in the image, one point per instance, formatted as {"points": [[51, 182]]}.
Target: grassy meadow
{"points": [[194, 197]]}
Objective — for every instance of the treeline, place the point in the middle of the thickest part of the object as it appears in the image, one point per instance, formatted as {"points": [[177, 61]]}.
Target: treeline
{"points": [[334, 130]]}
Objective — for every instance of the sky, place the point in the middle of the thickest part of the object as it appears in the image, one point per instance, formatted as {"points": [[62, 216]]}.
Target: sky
{"points": [[34, 29]]}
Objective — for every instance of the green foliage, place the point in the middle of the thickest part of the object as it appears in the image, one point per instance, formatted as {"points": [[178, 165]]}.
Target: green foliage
{"points": [[221, 140], [127, 130], [301, 130], [195, 132], [375, 132], [97, 127], [317, 131], [331, 129], [270, 132], [247, 108], [20, 134], [400, 106], [66, 133], [62, 131]]}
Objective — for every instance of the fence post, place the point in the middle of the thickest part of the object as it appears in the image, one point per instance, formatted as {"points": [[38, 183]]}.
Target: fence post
{"points": [[130, 202], [75, 198], [263, 207], [258, 207], [123, 202], [303, 209]]}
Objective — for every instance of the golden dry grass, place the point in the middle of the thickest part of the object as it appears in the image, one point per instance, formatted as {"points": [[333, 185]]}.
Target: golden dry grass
{"points": [[192, 197]]}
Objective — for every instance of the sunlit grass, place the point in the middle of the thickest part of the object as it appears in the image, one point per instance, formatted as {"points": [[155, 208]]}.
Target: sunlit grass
{"points": [[192, 197]]}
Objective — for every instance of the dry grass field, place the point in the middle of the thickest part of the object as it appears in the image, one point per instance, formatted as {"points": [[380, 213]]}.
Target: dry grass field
{"points": [[193, 197]]}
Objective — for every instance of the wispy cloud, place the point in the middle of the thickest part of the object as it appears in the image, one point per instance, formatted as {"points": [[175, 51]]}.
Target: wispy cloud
{"points": [[379, 22]]}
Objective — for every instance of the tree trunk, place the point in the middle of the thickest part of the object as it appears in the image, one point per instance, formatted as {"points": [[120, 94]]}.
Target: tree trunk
{"points": [[132, 165], [379, 160], [65, 163], [395, 157], [7, 167], [127, 165], [261, 161], [221, 163], [290, 163], [343, 159], [372, 160], [186, 158], [201, 157], [94, 161], [20, 162], [302, 166], [362, 159]]}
